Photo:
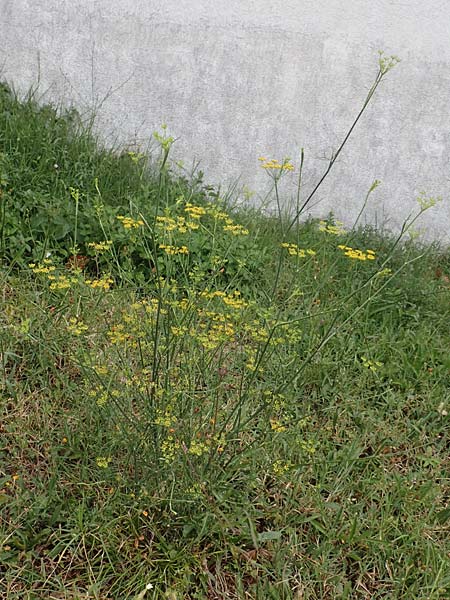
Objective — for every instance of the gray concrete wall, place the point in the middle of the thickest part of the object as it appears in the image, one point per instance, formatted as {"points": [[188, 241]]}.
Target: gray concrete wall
{"points": [[238, 79]]}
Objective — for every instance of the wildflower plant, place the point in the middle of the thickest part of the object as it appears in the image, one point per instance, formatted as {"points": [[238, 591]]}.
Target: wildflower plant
{"points": [[198, 324], [194, 322], [217, 378], [170, 347]]}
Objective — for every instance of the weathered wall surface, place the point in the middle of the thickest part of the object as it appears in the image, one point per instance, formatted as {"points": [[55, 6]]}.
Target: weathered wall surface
{"points": [[238, 79]]}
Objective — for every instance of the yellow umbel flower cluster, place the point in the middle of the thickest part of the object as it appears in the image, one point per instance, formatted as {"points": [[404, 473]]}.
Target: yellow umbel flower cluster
{"points": [[165, 418], [76, 326], [130, 223], [44, 267], [372, 365], [211, 335], [104, 283], [357, 254], [101, 246], [280, 467], [61, 282], [236, 229], [100, 395], [232, 300], [277, 426], [274, 164], [179, 331], [198, 448], [118, 334], [173, 250], [195, 212], [217, 214], [170, 447], [294, 250], [179, 224]]}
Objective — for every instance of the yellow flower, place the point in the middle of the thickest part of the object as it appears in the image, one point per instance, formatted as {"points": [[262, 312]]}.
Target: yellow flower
{"points": [[179, 331], [294, 250], [217, 214], [273, 164], [179, 224], [130, 223], [165, 419], [61, 282], [198, 448], [173, 250], [308, 446], [44, 267], [356, 254], [236, 229], [104, 283], [232, 300], [195, 212], [76, 327], [372, 365], [100, 246], [118, 335], [279, 467], [275, 425], [170, 448]]}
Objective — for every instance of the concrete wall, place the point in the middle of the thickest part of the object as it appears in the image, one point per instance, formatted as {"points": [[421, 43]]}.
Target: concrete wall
{"points": [[238, 79]]}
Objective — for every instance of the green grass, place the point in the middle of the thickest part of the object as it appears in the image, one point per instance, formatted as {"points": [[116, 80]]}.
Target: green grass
{"points": [[236, 420]]}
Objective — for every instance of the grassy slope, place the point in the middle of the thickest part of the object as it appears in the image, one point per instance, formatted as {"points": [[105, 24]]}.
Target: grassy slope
{"points": [[336, 486]]}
